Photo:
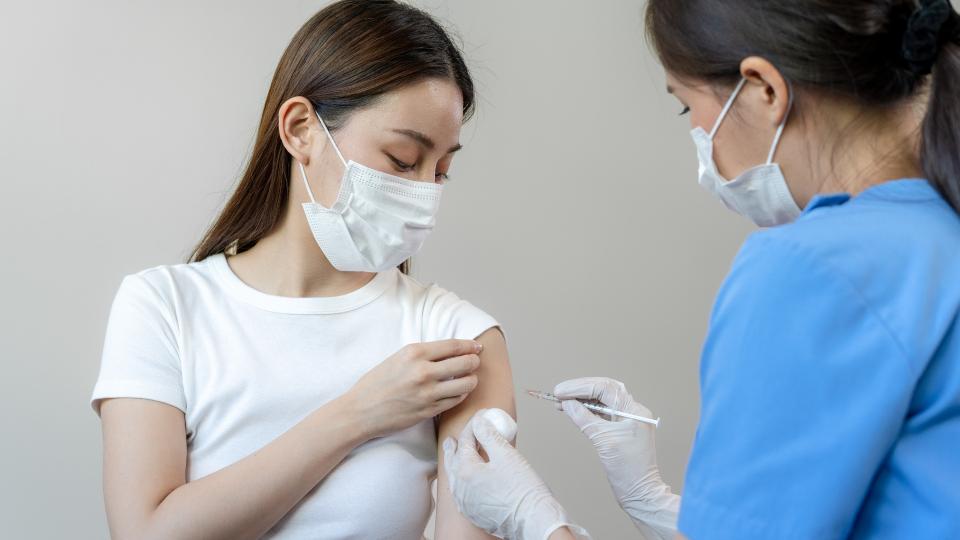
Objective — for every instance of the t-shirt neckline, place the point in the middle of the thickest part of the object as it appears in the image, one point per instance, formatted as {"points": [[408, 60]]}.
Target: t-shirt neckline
{"points": [[237, 288]]}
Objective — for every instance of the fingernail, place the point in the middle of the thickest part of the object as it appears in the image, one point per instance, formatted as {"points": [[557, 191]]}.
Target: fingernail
{"points": [[478, 346], [447, 444]]}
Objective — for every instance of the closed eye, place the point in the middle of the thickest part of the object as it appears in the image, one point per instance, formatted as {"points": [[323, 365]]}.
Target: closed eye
{"points": [[404, 167]]}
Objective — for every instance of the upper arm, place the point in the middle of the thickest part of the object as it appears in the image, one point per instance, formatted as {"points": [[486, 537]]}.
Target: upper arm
{"points": [[495, 389], [144, 460], [803, 391], [139, 397]]}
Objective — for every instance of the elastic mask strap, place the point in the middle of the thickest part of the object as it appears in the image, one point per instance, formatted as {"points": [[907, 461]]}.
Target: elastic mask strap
{"points": [[776, 138], [726, 107], [303, 174], [329, 136]]}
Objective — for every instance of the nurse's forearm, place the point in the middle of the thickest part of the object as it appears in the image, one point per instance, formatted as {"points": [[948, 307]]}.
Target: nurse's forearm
{"points": [[247, 498]]}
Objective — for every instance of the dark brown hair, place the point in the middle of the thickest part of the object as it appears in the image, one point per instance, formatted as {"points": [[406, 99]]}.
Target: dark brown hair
{"points": [[875, 52], [342, 59]]}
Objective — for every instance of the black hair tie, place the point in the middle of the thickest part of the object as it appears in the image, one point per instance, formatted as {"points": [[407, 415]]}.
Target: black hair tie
{"points": [[925, 34]]}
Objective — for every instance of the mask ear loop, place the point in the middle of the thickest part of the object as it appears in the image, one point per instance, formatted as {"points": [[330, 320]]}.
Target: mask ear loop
{"points": [[783, 124], [726, 107], [303, 172], [329, 136]]}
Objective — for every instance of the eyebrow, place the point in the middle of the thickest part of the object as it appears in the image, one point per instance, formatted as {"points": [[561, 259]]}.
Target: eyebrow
{"points": [[423, 140]]}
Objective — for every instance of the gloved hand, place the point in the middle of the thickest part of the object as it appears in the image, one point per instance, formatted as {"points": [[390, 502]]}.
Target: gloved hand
{"points": [[504, 496], [627, 451]]}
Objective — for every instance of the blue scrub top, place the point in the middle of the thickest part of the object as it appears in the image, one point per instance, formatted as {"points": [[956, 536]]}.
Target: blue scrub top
{"points": [[830, 377]]}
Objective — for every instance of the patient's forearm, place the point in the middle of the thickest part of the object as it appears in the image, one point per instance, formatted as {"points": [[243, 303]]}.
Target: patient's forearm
{"points": [[245, 499]]}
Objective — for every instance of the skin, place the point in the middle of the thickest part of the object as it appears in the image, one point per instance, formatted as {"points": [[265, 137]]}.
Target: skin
{"points": [[145, 453]]}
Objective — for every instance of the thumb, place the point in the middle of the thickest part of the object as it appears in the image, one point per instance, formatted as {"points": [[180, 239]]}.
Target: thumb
{"points": [[580, 415], [465, 449], [450, 461], [449, 454], [490, 439]]}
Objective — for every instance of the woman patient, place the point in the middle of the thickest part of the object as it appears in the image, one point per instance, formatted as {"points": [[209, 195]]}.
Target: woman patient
{"points": [[291, 381]]}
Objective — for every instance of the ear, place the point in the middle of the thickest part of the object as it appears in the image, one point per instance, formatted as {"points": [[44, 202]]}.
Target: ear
{"points": [[296, 122], [775, 93]]}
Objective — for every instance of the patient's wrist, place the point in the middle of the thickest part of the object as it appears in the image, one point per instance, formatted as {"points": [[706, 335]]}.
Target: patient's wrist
{"points": [[351, 419]]}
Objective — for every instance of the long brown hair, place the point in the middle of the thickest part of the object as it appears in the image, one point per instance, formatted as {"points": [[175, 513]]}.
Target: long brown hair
{"points": [[876, 53], [343, 58]]}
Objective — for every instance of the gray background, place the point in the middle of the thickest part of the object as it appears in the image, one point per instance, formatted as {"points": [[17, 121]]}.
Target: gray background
{"points": [[575, 216]]}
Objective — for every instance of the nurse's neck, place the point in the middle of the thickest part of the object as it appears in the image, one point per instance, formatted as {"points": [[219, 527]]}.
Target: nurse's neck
{"points": [[288, 262], [845, 150]]}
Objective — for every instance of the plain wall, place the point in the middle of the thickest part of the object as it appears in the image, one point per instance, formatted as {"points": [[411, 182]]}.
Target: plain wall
{"points": [[574, 216]]}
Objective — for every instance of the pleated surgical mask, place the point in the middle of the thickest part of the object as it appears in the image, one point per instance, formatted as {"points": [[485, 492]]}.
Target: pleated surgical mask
{"points": [[760, 193], [378, 220]]}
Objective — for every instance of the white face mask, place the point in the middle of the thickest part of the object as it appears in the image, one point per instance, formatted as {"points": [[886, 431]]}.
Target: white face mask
{"points": [[760, 193], [378, 220]]}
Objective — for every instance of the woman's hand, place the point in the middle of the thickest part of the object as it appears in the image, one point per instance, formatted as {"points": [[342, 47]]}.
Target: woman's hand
{"points": [[419, 381]]}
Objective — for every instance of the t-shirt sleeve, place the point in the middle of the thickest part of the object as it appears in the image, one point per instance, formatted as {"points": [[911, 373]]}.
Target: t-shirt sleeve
{"points": [[803, 392], [140, 352], [447, 316]]}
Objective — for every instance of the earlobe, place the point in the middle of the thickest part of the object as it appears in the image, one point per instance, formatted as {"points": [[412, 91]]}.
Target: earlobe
{"points": [[294, 121]]}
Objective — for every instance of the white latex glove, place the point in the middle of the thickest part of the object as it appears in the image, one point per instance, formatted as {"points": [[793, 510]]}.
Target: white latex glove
{"points": [[627, 451], [504, 496]]}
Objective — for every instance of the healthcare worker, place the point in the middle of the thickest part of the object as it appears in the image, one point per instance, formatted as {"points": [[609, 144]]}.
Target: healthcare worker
{"points": [[830, 377]]}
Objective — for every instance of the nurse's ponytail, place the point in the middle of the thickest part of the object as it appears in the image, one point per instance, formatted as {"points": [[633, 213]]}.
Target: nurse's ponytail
{"points": [[878, 53], [940, 145]]}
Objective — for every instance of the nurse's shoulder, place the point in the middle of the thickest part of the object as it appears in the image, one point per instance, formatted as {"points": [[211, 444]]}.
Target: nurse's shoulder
{"points": [[889, 219], [895, 248]]}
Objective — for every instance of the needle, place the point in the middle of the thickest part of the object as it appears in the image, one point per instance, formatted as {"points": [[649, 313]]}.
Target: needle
{"points": [[597, 408]]}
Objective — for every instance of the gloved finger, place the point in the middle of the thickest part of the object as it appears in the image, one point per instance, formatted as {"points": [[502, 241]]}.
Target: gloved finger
{"points": [[490, 439], [608, 391], [580, 415], [467, 444], [450, 461]]}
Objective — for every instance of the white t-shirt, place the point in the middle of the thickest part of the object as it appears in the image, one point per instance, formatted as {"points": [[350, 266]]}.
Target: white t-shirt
{"points": [[245, 366]]}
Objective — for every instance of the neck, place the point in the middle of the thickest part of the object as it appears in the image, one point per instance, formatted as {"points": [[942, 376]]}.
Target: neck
{"points": [[863, 151], [288, 262]]}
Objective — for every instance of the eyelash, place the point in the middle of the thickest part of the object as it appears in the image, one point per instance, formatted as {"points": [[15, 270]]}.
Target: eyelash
{"points": [[404, 167], [684, 111], [400, 165]]}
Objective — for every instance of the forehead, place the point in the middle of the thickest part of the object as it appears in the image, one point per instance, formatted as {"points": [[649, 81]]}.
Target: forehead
{"points": [[432, 106], [684, 85]]}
